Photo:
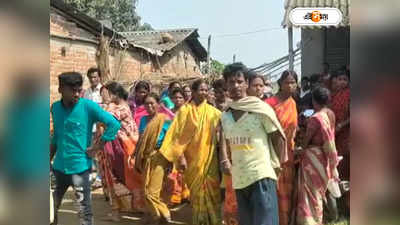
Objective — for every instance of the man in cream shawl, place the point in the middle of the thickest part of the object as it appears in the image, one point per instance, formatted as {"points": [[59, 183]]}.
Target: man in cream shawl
{"points": [[257, 144]]}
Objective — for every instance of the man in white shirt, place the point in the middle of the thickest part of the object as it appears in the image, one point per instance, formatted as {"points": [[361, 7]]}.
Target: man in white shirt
{"points": [[305, 86], [93, 92], [268, 89]]}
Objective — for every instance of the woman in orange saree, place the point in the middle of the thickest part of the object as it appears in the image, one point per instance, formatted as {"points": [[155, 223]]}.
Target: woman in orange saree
{"points": [[178, 192], [191, 143], [286, 110], [123, 184], [318, 161]]}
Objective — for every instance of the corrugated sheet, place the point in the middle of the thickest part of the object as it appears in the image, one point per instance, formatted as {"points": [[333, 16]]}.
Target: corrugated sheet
{"points": [[152, 40], [342, 5]]}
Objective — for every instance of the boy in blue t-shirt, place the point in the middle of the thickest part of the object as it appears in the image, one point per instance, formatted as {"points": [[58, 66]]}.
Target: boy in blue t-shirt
{"points": [[73, 120]]}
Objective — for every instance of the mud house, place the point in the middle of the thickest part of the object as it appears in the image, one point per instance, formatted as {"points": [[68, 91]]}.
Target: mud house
{"points": [[75, 45]]}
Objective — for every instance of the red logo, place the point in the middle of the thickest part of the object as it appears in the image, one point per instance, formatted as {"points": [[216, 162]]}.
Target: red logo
{"points": [[316, 16]]}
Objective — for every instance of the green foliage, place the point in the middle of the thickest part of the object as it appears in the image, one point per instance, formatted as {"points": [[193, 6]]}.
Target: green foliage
{"points": [[144, 27], [217, 67], [122, 13]]}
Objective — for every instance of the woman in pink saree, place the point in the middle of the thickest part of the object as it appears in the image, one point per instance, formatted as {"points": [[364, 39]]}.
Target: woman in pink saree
{"points": [[318, 161], [138, 93], [136, 98]]}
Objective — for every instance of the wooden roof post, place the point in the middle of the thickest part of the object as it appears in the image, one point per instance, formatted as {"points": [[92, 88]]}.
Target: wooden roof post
{"points": [[291, 53], [208, 55]]}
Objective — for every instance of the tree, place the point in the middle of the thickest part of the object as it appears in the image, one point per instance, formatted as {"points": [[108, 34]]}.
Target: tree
{"points": [[121, 13], [216, 67], [145, 27]]}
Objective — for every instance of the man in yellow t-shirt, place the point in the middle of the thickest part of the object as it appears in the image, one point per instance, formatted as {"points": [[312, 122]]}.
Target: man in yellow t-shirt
{"points": [[254, 137]]}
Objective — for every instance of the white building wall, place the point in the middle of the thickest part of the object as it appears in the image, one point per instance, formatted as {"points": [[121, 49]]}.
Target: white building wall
{"points": [[312, 55]]}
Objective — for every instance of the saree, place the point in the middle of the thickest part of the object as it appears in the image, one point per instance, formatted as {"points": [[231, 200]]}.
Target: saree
{"points": [[193, 133], [287, 115], [340, 105], [231, 216], [230, 205], [176, 189], [317, 168], [123, 184], [141, 112], [154, 166]]}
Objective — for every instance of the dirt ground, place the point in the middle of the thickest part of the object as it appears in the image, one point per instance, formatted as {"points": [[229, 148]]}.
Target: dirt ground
{"points": [[67, 215]]}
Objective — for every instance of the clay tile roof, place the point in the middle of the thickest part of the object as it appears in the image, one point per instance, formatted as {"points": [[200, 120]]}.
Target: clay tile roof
{"points": [[160, 41], [88, 23]]}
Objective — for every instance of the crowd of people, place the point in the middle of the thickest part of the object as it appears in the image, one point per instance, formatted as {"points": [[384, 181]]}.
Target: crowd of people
{"points": [[234, 151]]}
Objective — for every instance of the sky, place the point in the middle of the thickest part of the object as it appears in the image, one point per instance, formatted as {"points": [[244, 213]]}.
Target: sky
{"points": [[226, 17]]}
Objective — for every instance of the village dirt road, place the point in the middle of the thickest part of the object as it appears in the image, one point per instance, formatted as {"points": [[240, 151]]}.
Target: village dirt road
{"points": [[68, 213]]}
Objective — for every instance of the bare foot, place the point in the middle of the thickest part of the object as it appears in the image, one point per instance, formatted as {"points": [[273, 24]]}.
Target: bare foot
{"points": [[114, 217]]}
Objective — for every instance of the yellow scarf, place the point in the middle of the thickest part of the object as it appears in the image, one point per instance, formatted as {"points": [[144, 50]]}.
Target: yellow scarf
{"points": [[255, 105]]}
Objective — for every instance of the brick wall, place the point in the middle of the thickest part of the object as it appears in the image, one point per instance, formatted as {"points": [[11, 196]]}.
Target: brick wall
{"points": [[73, 49]]}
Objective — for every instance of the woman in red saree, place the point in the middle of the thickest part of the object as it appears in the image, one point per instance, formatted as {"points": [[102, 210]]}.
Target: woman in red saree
{"points": [[340, 105], [286, 110], [124, 185], [318, 161]]}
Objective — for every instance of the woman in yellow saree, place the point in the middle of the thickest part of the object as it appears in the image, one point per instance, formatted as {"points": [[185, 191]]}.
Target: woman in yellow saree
{"points": [[150, 162], [191, 144]]}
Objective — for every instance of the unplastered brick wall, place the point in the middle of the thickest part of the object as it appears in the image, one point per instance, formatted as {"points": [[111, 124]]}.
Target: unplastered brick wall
{"points": [[72, 48], [60, 25], [78, 56]]}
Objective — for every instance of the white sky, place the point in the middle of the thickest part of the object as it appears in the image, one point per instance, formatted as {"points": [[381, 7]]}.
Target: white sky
{"points": [[225, 17]]}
